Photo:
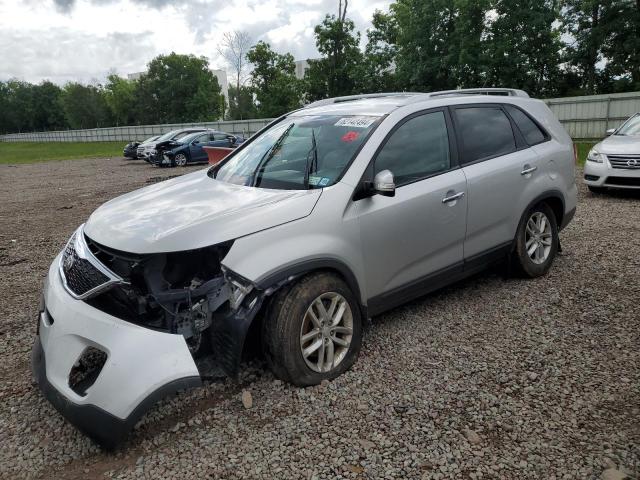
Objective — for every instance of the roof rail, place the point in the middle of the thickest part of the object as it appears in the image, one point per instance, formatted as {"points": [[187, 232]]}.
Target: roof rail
{"points": [[351, 98], [507, 92]]}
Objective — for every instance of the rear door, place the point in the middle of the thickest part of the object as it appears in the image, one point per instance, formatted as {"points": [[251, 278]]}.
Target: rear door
{"points": [[502, 174], [408, 238]]}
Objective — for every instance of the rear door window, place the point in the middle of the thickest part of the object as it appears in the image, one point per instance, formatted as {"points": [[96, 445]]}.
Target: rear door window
{"points": [[485, 132], [531, 132]]}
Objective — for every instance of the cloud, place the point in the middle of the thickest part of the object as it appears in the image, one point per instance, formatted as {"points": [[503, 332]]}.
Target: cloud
{"points": [[61, 55], [88, 38]]}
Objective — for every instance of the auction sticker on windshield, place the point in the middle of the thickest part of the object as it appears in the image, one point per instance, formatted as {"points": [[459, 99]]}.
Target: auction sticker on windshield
{"points": [[355, 122]]}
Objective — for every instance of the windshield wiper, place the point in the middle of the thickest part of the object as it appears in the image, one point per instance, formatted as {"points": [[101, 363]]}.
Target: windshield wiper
{"points": [[314, 163], [268, 155]]}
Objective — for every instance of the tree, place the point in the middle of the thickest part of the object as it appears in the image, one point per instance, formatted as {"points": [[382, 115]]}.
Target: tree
{"points": [[178, 88], [523, 46], [19, 106], [582, 21], [378, 65], [84, 106], [622, 45], [336, 73], [233, 48], [120, 95], [47, 107], [241, 104], [273, 80], [425, 44]]}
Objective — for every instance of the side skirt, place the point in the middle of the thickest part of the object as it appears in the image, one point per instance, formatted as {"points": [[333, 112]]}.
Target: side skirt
{"points": [[437, 280]]}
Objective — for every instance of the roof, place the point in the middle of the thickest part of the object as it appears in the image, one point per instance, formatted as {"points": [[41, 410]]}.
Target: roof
{"points": [[383, 103]]}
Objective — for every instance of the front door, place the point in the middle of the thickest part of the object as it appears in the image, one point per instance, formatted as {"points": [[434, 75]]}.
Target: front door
{"points": [[195, 149], [419, 233]]}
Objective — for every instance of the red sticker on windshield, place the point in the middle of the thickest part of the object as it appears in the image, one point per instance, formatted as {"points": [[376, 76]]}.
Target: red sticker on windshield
{"points": [[350, 136]]}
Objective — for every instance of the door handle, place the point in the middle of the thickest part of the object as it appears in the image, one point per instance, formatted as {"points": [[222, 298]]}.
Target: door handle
{"points": [[453, 198], [527, 170]]}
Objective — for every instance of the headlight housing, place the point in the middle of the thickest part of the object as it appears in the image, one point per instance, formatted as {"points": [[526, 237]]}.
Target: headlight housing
{"points": [[240, 287], [595, 156]]}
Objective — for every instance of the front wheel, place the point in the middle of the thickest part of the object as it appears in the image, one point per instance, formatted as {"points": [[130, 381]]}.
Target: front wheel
{"points": [[313, 331], [180, 160], [536, 241]]}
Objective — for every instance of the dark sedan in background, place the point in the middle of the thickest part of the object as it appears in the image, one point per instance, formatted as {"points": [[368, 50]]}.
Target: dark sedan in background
{"points": [[189, 149], [131, 149]]}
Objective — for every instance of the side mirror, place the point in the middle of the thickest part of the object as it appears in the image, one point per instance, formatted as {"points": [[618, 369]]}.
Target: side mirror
{"points": [[610, 131], [384, 184]]}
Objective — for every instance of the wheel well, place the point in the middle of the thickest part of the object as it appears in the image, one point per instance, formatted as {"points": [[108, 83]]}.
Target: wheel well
{"points": [[252, 340], [557, 207]]}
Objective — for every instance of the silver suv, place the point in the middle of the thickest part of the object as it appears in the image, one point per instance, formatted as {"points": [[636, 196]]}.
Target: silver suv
{"points": [[328, 216]]}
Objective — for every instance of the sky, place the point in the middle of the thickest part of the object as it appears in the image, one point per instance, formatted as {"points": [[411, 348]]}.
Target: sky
{"points": [[85, 40]]}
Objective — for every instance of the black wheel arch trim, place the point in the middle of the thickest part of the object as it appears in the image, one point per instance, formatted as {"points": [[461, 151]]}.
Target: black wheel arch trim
{"points": [[308, 266], [555, 194]]}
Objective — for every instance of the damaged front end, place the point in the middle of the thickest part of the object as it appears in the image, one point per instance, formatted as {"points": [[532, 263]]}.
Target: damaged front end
{"points": [[118, 331], [164, 154]]}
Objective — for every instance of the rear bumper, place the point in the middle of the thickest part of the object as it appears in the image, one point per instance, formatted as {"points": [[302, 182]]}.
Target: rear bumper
{"points": [[141, 366]]}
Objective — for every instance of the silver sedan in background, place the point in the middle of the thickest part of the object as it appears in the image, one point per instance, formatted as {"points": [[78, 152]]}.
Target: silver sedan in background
{"points": [[615, 161]]}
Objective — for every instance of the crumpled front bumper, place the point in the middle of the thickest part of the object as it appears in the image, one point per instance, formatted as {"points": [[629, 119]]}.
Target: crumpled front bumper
{"points": [[142, 365]]}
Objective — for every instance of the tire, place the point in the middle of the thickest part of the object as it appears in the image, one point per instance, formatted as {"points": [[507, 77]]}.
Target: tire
{"points": [[539, 262], [288, 319], [180, 160], [596, 190]]}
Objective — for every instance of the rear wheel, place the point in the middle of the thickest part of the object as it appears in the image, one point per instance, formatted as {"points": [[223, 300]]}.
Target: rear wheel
{"points": [[536, 241], [313, 331]]}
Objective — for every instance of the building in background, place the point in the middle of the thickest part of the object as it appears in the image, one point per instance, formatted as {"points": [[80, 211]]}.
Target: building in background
{"points": [[221, 75], [301, 67]]}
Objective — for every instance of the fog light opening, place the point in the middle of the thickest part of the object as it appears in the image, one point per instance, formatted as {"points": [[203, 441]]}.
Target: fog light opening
{"points": [[86, 370]]}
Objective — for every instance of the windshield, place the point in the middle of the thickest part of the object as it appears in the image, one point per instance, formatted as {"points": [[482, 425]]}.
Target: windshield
{"points": [[299, 153], [167, 136], [150, 139], [188, 136], [631, 126]]}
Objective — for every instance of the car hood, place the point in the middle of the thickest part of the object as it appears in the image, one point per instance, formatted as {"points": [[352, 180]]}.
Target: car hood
{"points": [[619, 144], [193, 211]]}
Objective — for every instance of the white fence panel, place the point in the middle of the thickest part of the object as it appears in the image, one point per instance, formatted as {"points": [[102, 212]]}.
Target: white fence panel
{"points": [[586, 117]]}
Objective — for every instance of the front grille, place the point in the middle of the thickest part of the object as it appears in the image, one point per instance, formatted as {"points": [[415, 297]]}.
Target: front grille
{"points": [[623, 181], [629, 162], [80, 274]]}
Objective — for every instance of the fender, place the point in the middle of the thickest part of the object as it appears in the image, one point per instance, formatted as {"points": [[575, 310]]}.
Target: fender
{"points": [[230, 328], [307, 266]]}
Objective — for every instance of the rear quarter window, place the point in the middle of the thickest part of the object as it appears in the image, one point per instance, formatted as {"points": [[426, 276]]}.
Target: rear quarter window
{"points": [[530, 131]]}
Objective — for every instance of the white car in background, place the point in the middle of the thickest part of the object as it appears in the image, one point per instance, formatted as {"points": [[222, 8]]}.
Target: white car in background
{"points": [[615, 161], [148, 148]]}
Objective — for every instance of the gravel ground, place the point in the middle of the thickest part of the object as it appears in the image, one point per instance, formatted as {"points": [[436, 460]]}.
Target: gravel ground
{"points": [[489, 378]]}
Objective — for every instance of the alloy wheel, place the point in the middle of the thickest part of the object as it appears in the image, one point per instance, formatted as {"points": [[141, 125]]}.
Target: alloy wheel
{"points": [[181, 160], [326, 332], [538, 238]]}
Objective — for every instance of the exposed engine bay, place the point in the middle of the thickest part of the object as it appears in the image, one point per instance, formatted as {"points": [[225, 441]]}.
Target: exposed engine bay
{"points": [[176, 292]]}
